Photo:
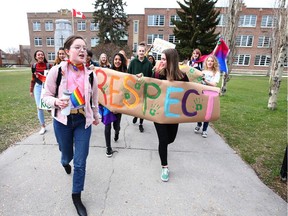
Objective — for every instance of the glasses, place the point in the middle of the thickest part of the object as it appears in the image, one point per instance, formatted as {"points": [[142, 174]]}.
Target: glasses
{"points": [[78, 48]]}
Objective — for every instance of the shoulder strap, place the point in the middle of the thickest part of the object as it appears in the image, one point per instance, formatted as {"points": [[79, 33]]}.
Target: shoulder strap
{"points": [[33, 67], [58, 80], [91, 79]]}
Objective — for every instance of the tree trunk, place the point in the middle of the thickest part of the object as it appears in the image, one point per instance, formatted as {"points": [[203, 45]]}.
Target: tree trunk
{"points": [[280, 54], [229, 35]]}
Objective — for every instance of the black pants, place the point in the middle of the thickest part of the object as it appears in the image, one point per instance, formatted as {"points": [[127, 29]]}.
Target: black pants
{"points": [[283, 171], [166, 135], [116, 127], [141, 120]]}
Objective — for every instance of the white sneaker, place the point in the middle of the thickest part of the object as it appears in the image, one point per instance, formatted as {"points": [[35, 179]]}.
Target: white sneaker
{"points": [[42, 131], [204, 134]]}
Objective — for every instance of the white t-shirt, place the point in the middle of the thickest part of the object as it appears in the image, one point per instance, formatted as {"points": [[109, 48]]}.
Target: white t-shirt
{"points": [[210, 77]]}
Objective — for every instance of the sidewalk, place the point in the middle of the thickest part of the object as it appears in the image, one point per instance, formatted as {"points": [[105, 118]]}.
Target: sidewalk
{"points": [[206, 178]]}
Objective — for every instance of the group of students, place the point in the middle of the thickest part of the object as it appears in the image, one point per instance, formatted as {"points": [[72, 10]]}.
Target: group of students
{"points": [[73, 131]]}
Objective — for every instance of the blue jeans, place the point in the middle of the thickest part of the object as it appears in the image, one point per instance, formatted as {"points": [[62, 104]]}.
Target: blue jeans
{"points": [[37, 96], [205, 125], [74, 134]]}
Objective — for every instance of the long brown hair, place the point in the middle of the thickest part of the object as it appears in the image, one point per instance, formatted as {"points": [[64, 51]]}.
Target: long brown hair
{"points": [[172, 70]]}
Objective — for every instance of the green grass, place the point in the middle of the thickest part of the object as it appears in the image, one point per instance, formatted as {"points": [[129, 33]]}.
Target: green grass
{"points": [[258, 134], [18, 116]]}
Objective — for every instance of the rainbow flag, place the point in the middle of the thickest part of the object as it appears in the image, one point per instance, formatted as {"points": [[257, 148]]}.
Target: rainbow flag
{"points": [[77, 98], [221, 52]]}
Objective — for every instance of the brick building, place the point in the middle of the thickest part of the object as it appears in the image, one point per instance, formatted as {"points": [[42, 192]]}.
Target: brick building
{"points": [[253, 36]]}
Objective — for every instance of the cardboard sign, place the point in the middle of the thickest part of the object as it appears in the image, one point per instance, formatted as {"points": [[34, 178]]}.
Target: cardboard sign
{"points": [[157, 100], [159, 45], [43, 105]]}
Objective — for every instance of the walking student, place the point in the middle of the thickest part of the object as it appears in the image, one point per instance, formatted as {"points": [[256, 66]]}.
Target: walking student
{"points": [[73, 130], [211, 77], [118, 64], [169, 70], [37, 80], [138, 65]]}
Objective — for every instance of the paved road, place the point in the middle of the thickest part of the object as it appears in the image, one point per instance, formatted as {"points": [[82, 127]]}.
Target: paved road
{"points": [[207, 178]]}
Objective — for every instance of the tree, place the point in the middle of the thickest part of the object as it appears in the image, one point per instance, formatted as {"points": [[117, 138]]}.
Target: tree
{"points": [[196, 27], [113, 22], [231, 25], [279, 53]]}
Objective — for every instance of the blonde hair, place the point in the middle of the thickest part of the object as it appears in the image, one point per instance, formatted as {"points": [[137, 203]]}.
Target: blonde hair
{"points": [[215, 67], [107, 64]]}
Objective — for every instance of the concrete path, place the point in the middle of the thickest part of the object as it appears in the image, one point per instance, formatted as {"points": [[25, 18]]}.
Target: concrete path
{"points": [[206, 178]]}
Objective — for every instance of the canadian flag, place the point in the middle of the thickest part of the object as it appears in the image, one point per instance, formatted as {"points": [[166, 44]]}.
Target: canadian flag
{"points": [[78, 14]]}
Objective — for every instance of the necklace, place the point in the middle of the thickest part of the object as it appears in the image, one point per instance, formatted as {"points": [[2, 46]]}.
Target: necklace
{"points": [[76, 67]]}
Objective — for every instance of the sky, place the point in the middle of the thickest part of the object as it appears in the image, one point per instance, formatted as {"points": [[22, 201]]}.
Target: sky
{"points": [[14, 25]]}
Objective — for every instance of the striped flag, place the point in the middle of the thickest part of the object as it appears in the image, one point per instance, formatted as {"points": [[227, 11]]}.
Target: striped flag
{"points": [[77, 98], [221, 52]]}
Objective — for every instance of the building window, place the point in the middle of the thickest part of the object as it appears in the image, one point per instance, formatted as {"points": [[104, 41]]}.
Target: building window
{"points": [[241, 60], [262, 60], [173, 39], [50, 41], [151, 37], [247, 21], [264, 41], [222, 20], [156, 20], [49, 26], [94, 27], [94, 41], [244, 41], [267, 21], [81, 26], [136, 26], [36, 26], [51, 56], [38, 41], [174, 17], [135, 46]]}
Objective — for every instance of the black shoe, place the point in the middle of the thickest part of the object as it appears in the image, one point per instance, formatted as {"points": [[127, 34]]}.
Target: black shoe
{"points": [[116, 137], [134, 120], [141, 128], [81, 210], [67, 168], [109, 152]]}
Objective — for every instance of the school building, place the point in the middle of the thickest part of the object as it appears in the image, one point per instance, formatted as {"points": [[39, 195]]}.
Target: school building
{"points": [[48, 31]]}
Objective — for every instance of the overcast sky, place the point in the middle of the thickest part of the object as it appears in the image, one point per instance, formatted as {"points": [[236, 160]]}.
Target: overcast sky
{"points": [[13, 16]]}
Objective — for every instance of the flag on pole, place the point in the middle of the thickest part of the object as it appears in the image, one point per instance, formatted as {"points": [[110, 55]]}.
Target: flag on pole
{"points": [[221, 52], [78, 14]]}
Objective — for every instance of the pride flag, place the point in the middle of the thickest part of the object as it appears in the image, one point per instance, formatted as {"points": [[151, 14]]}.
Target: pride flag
{"points": [[77, 98], [107, 117], [221, 52]]}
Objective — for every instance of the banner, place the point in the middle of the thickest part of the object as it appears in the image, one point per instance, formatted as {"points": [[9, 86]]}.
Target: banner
{"points": [[157, 100]]}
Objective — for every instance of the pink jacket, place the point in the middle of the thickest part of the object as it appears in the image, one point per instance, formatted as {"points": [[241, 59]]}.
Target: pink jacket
{"points": [[50, 87]]}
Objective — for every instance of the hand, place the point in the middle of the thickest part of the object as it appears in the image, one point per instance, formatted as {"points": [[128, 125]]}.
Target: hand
{"points": [[96, 121], [61, 103], [31, 94]]}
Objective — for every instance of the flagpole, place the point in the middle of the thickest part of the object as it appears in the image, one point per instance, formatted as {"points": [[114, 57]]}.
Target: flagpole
{"points": [[72, 22]]}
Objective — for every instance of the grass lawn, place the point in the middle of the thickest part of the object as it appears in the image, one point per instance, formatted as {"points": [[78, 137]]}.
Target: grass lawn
{"points": [[257, 134]]}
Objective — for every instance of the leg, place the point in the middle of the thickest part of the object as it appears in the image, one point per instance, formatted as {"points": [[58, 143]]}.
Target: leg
{"points": [[205, 126], [64, 137], [134, 120], [81, 146], [116, 126], [107, 133], [40, 113], [141, 128], [283, 172]]}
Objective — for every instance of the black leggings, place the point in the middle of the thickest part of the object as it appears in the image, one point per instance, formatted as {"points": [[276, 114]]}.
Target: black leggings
{"points": [[166, 135], [116, 126]]}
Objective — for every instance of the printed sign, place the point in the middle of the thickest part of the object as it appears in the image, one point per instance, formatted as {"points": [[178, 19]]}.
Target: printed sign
{"points": [[159, 45], [43, 105]]}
